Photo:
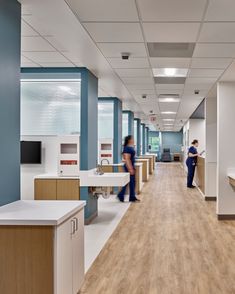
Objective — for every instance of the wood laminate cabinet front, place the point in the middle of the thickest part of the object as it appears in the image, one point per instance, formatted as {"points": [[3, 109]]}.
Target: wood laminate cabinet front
{"points": [[57, 189], [68, 189], [45, 189], [42, 259]]}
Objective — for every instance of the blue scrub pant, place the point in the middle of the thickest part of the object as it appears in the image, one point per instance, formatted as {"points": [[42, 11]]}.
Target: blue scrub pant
{"points": [[121, 194], [191, 172]]}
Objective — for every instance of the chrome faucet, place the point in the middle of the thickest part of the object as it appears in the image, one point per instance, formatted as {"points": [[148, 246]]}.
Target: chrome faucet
{"points": [[99, 170]]}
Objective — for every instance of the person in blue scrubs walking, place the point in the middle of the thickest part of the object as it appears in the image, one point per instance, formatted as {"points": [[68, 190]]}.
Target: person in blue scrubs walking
{"points": [[129, 166], [191, 163]]}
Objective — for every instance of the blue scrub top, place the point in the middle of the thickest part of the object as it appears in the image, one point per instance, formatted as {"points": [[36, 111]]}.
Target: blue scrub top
{"points": [[130, 150], [192, 160]]}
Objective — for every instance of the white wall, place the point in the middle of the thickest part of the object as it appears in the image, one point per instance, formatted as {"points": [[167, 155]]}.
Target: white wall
{"points": [[197, 128], [49, 164], [211, 148], [226, 146], [193, 129]]}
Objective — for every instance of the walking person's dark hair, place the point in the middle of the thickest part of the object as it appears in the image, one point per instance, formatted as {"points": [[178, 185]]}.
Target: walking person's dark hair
{"points": [[194, 142], [127, 139]]}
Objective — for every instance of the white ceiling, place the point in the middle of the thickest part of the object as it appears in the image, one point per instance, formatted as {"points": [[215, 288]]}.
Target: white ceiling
{"points": [[94, 34]]}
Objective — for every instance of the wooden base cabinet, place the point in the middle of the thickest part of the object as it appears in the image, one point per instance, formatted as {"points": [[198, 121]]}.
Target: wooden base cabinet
{"points": [[57, 189], [42, 259]]}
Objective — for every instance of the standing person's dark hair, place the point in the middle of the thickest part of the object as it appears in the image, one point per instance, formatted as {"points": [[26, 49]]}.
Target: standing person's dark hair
{"points": [[129, 166], [191, 163]]}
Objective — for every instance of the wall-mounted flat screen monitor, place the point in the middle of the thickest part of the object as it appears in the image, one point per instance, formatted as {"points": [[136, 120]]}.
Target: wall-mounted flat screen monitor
{"points": [[30, 152]]}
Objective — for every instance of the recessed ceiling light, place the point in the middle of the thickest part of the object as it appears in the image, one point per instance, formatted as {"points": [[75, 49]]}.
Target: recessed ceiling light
{"points": [[170, 72], [168, 119], [168, 124], [169, 99], [168, 112]]}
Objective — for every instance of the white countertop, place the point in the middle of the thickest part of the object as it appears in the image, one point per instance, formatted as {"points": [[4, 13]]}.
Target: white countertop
{"points": [[90, 179], [36, 212]]}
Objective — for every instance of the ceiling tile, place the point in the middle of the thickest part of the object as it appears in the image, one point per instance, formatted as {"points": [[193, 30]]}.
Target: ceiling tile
{"points": [[217, 32], [115, 49], [130, 63], [171, 32], [220, 10], [138, 72], [26, 30], [140, 86], [29, 64], [142, 91], [170, 62], [168, 10], [35, 44], [114, 32], [138, 80], [214, 50], [45, 57], [218, 63], [105, 10], [210, 73], [200, 80], [198, 86]]}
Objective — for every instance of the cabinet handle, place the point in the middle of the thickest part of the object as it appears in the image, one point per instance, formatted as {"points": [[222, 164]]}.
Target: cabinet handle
{"points": [[72, 226], [76, 223]]}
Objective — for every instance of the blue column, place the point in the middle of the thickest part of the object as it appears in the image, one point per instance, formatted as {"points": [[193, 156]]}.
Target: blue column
{"points": [[138, 136], [117, 127], [147, 139], [10, 23], [89, 137], [143, 139], [130, 121]]}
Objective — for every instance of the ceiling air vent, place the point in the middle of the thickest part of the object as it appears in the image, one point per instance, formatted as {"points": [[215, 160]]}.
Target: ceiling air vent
{"points": [[167, 80], [184, 50]]}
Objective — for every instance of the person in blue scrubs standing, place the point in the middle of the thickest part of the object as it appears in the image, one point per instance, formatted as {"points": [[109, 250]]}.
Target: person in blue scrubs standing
{"points": [[191, 163], [129, 166]]}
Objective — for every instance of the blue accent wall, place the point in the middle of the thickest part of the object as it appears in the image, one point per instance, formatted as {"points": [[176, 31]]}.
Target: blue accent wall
{"points": [[172, 140], [138, 136], [10, 24], [117, 127], [143, 139], [147, 140], [89, 119]]}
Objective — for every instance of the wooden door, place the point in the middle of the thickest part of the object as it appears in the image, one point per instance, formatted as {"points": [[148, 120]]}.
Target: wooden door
{"points": [[44, 189], [68, 189]]}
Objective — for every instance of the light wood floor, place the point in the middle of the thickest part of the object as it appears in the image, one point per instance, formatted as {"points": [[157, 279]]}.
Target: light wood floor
{"points": [[171, 242]]}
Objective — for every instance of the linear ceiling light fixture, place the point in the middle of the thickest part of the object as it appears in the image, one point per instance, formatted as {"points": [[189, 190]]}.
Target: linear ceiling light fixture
{"points": [[169, 100], [170, 72]]}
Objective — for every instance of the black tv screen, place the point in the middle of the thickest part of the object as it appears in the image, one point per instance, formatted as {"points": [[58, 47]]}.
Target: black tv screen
{"points": [[30, 152]]}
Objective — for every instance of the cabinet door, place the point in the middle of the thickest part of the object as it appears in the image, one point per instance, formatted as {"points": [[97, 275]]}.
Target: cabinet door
{"points": [[68, 189], [44, 189], [64, 258], [78, 253]]}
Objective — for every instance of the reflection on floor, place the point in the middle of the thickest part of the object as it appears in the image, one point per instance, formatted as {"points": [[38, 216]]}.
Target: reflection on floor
{"points": [[98, 232]]}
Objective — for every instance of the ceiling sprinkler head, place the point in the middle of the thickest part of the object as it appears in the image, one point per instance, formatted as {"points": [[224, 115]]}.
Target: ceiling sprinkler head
{"points": [[144, 96]]}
